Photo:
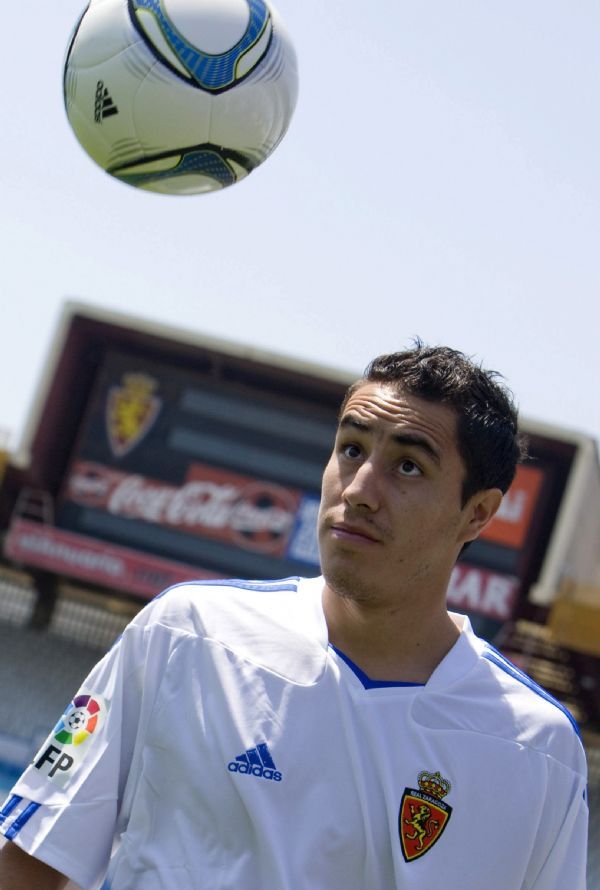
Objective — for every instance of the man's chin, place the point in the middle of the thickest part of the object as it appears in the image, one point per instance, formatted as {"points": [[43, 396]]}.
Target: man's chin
{"points": [[348, 583]]}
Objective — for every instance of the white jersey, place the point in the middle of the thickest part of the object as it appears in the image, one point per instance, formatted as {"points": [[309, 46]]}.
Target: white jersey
{"points": [[223, 743]]}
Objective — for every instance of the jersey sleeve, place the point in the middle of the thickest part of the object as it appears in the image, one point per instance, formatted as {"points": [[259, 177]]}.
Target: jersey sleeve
{"points": [[560, 856], [69, 803]]}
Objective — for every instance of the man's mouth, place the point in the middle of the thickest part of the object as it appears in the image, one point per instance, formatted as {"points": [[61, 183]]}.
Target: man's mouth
{"points": [[355, 532]]}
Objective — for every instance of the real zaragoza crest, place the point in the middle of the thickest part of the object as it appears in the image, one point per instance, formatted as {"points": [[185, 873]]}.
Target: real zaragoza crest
{"points": [[131, 409], [423, 815]]}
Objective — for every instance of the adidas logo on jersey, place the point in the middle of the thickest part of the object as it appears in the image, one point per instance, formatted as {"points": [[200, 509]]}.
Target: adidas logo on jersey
{"points": [[256, 762]]}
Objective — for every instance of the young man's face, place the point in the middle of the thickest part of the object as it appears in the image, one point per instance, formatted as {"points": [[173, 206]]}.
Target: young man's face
{"points": [[391, 511]]}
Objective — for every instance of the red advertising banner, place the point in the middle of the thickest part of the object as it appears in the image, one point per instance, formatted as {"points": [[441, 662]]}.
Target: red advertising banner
{"points": [[471, 589], [481, 592], [108, 565], [511, 523], [211, 502]]}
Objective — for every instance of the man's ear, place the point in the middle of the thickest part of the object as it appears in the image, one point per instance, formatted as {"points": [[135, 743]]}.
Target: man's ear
{"points": [[479, 509]]}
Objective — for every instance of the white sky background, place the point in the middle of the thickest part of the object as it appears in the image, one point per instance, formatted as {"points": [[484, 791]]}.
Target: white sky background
{"points": [[440, 178]]}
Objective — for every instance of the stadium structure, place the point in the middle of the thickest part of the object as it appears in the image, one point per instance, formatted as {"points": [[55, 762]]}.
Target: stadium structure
{"points": [[151, 456]]}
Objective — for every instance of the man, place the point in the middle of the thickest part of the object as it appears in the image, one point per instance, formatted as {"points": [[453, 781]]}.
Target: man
{"points": [[338, 733]]}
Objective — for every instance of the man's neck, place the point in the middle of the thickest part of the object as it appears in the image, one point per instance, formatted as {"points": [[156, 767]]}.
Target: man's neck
{"points": [[403, 641]]}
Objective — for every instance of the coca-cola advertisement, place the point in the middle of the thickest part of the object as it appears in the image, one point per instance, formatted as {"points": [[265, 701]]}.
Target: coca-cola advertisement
{"points": [[210, 502]]}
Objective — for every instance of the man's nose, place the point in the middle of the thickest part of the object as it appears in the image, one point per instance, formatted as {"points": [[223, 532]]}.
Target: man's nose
{"points": [[363, 489]]}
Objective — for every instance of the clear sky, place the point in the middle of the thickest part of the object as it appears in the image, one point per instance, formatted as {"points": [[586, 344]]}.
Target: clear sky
{"points": [[440, 178]]}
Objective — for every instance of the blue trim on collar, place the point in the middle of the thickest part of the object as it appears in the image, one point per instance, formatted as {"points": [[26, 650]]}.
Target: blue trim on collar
{"points": [[367, 682]]}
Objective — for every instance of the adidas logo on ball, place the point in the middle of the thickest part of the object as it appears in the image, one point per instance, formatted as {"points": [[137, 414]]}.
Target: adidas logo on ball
{"points": [[103, 105]]}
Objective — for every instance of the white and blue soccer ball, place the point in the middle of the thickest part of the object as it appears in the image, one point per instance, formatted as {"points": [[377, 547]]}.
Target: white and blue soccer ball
{"points": [[180, 96]]}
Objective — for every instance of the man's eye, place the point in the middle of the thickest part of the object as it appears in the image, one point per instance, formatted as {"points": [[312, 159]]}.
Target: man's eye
{"points": [[350, 451], [410, 468]]}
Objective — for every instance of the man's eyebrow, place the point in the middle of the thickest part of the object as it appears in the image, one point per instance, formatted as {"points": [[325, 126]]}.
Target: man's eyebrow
{"points": [[348, 420], [413, 440], [416, 441]]}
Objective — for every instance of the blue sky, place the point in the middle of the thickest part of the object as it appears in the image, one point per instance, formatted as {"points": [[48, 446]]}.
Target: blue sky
{"points": [[440, 178]]}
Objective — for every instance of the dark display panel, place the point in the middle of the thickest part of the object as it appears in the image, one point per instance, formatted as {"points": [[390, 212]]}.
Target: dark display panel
{"points": [[193, 468]]}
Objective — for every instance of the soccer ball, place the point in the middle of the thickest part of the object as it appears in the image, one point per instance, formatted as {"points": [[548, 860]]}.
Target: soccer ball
{"points": [[180, 96]]}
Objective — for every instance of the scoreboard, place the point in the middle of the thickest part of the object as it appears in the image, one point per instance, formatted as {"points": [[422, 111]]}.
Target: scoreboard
{"points": [[153, 457]]}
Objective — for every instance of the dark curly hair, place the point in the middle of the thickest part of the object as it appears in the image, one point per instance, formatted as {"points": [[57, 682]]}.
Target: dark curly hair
{"points": [[489, 440]]}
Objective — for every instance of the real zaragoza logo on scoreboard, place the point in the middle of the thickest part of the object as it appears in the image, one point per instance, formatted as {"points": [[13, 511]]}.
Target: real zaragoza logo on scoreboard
{"points": [[69, 742], [131, 410]]}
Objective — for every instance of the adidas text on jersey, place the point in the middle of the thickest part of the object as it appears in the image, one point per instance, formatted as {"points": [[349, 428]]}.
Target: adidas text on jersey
{"points": [[256, 762]]}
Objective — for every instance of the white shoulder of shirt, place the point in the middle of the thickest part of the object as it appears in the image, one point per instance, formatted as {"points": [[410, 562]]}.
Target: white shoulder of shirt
{"points": [[483, 692], [277, 625]]}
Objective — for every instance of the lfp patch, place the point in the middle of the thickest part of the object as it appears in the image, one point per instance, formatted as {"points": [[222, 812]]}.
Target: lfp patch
{"points": [[70, 741]]}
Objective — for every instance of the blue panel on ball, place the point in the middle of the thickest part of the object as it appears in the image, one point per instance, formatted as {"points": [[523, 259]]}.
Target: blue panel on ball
{"points": [[212, 72], [206, 161]]}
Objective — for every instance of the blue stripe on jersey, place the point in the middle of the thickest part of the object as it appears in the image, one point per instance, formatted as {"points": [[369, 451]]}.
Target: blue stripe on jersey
{"points": [[513, 671], [281, 584], [13, 801], [22, 820], [367, 682], [266, 586]]}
